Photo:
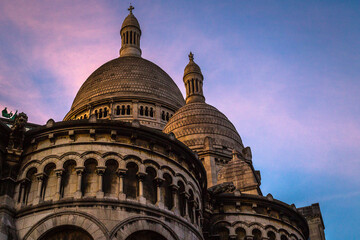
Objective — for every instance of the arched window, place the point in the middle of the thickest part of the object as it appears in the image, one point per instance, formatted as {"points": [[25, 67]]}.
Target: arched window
{"points": [[146, 111], [128, 110], [90, 179], [49, 182], [31, 186], [257, 234], [283, 237], [150, 186], [167, 116], [167, 192], [271, 235], [223, 233], [151, 112], [69, 179], [123, 110], [127, 37], [197, 85], [192, 86], [141, 110], [100, 113], [131, 184], [110, 181], [134, 37], [105, 112], [182, 199], [123, 38], [163, 115], [118, 110], [96, 114], [85, 116], [191, 206], [131, 37], [240, 234]]}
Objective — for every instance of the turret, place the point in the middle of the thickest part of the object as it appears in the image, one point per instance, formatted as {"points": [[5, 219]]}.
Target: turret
{"points": [[130, 36], [193, 80]]}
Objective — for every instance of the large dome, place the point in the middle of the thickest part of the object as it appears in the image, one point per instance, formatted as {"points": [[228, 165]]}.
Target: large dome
{"points": [[129, 78], [194, 122]]}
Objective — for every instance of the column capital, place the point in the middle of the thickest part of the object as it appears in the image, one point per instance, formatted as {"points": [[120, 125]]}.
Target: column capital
{"points": [[121, 172], [100, 170], [59, 172], [40, 176], [141, 175], [79, 170], [174, 187], [159, 180]]}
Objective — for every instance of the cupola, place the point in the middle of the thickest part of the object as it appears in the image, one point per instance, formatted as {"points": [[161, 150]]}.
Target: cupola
{"points": [[193, 80], [130, 36]]}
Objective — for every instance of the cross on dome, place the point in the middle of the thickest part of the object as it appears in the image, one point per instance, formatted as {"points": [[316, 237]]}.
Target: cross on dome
{"points": [[191, 56], [131, 8]]}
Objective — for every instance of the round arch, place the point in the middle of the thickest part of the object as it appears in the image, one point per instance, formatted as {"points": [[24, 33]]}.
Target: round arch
{"points": [[68, 232], [76, 219], [130, 226]]}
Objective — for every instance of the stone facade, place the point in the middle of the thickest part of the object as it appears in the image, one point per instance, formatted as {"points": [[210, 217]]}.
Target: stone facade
{"points": [[133, 160]]}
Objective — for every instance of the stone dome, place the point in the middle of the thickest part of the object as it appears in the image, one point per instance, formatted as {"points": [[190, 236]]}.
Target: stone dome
{"points": [[194, 122], [130, 20], [128, 78], [192, 67]]}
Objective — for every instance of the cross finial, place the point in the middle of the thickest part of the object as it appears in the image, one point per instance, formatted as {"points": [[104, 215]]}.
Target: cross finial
{"points": [[130, 8], [191, 56]]}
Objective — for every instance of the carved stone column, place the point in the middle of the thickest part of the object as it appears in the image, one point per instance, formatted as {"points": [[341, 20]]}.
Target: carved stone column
{"points": [[100, 172], [121, 173], [59, 173], [141, 176], [79, 172], [159, 195], [175, 195], [40, 179], [187, 196]]}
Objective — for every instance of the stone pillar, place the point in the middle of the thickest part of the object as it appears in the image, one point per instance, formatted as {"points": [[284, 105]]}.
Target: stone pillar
{"points": [[158, 113], [59, 173], [26, 182], [141, 176], [175, 195], [121, 173], [159, 193], [135, 109], [79, 172], [100, 172], [40, 179], [187, 196], [192, 210], [111, 109]]}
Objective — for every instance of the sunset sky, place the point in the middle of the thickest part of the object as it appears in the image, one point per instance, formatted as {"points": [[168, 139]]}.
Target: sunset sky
{"points": [[286, 74]]}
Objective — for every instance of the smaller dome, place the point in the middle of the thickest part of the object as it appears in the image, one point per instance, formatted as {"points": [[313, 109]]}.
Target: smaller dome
{"points": [[130, 20], [193, 122], [192, 67]]}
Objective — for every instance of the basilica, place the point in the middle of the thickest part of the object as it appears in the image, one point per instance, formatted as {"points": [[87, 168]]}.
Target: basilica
{"points": [[133, 159]]}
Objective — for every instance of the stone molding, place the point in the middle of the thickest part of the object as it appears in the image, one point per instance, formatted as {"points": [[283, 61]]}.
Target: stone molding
{"points": [[74, 218], [134, 224]]}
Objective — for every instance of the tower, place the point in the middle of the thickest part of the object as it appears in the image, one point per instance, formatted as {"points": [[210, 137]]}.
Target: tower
{"points": [[130, 36]]}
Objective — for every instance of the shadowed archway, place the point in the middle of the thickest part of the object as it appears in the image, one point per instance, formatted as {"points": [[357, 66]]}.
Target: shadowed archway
{"points": [[66, 233], [145, 235]]}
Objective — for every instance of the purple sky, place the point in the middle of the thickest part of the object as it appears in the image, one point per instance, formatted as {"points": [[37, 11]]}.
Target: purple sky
{"points": [[286, 73]]}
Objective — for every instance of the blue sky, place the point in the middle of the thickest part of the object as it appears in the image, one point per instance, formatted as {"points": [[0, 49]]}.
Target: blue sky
{"points": [[286, 73]]}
